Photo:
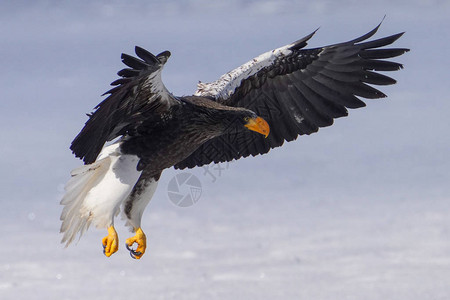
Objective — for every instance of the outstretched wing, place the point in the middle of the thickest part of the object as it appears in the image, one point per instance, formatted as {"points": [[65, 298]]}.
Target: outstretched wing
{"points": [[138, 95], [297, 91]]}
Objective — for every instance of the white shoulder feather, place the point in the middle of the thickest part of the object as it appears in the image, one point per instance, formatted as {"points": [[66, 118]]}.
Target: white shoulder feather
{"points": [[226, 85]]}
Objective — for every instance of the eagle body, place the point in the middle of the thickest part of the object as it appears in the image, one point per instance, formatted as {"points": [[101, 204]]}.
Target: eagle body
{"points": [[132, 165], [275, 97], [170, 137]]}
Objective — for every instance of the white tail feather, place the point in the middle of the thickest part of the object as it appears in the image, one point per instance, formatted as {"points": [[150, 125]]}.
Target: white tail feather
{"points": [[96, 191]]}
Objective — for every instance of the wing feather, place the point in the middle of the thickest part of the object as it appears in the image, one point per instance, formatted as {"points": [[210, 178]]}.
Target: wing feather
{"points": [[297, 91], [138, 95]]}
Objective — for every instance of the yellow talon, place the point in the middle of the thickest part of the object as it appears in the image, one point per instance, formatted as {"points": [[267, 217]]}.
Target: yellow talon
{"points": [[110, 242], [139, 239]]}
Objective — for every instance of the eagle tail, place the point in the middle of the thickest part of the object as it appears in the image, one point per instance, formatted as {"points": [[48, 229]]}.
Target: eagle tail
{"points": [[95, 192]]}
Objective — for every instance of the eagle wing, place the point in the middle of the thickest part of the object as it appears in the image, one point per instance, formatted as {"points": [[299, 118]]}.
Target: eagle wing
{"points": [[137, 96], [297, 91]]}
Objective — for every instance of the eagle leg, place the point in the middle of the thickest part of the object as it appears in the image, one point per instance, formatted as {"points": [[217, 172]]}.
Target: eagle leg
{"points": [[110, 242], [141, 240]]}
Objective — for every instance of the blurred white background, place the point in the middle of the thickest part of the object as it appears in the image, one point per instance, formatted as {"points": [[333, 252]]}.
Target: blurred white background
{"points": [[359, 210]]}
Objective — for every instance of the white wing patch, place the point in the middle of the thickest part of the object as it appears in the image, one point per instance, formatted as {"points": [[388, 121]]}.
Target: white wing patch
{"points": [[157, 88], [225, 86]]}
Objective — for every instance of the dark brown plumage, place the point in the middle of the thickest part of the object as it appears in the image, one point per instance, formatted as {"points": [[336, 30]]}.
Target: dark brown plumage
{"points": [[311, 85], [291, 90]]}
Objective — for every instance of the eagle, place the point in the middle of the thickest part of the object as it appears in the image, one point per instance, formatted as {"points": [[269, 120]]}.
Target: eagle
{"points": [[141, 129]]}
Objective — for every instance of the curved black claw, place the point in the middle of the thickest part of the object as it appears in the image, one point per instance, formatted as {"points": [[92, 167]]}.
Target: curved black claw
{"points": [[104, 248], [133, 253], [128, 247]]}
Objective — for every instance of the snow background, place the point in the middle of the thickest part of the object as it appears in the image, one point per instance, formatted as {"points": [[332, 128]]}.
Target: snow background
{"points": [[358, 211]]}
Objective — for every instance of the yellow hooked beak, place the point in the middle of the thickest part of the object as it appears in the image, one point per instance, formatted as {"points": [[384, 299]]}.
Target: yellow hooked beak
{"points": [[259, 125]]}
